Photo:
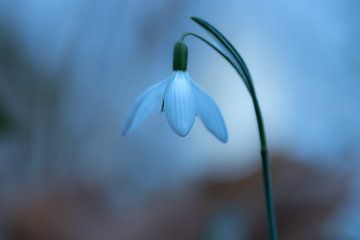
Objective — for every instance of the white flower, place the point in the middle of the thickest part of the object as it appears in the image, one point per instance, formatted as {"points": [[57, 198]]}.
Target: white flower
{"points": [[182, 100]]}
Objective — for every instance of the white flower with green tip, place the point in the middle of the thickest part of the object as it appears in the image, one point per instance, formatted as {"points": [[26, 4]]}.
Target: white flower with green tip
{"points": [[182, 100]]}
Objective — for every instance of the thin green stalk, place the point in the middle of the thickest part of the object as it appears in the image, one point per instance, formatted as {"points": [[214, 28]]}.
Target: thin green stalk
{"points": [[219, 52], [240, 67], [270, 211]]}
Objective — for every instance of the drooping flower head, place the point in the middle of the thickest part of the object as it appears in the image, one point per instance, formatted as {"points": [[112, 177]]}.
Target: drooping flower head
{"points": [[182, 99]]}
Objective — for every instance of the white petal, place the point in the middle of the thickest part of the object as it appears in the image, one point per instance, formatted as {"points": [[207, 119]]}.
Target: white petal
{"points": [[144, 105], [210, 114], [180, 104]]}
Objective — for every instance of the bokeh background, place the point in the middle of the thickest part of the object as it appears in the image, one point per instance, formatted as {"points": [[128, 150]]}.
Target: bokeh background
{"points": [[70, 70]]}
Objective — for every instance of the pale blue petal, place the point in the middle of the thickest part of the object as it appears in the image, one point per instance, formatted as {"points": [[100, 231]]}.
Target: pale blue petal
{"points": [[179, 104], [210, 114], [144, 105]]}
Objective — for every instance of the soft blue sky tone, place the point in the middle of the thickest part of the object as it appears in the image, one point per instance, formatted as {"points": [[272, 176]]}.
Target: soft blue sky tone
{"points": [[302, 58], [97, 56]]}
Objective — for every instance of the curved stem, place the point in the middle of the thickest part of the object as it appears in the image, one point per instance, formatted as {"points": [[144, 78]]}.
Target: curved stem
{"points": [[248, 86], [270, 211]]}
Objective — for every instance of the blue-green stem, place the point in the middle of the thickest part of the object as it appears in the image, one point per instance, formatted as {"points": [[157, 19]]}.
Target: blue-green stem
{"points": [[216, 49], [266, 173], [270, 211]]}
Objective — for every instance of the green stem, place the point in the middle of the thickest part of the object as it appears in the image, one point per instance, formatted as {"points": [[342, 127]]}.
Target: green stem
{"points": [[271, 218], [218, 51], [270, 210]]}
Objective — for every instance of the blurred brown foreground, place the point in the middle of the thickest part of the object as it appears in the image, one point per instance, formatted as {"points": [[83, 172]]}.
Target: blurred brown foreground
{"points": [[305, 197]]}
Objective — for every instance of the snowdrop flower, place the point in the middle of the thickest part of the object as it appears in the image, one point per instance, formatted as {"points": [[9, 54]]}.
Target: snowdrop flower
{"points": [[182, 99]]}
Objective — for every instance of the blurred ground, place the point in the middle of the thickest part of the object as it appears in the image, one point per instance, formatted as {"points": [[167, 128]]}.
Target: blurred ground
{"points": [[209, 209]]}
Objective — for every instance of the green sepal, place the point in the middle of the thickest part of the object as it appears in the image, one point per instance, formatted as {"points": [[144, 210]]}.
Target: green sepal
{"points": [[180, 57]]}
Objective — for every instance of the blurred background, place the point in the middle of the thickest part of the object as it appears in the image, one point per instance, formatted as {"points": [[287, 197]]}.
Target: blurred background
{"points": [[70, 70]]}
